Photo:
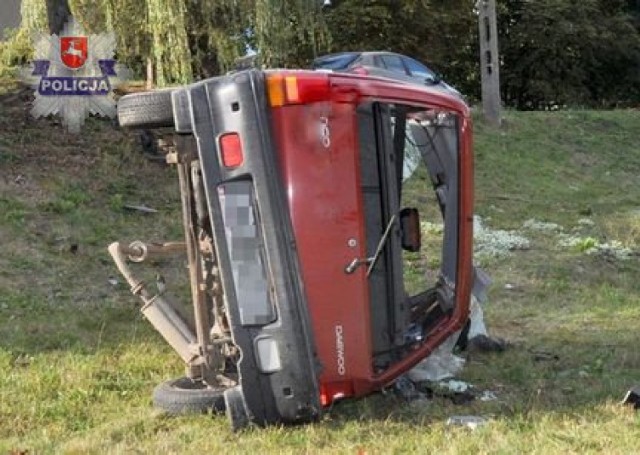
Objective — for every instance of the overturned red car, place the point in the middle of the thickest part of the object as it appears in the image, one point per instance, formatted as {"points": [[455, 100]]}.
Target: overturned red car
{"points": [[302, 196]]}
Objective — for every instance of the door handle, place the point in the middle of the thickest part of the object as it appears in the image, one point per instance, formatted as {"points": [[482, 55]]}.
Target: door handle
{"points": [[357, 262]]}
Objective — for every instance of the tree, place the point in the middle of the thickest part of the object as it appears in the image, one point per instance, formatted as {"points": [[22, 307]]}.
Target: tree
{"points": [[219, 33], [171, 53], [565, 52], [18, 49], [553, 52], [288, 33]]}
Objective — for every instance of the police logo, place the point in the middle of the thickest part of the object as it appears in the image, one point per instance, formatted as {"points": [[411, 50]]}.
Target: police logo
{"points": [[74, 75]]}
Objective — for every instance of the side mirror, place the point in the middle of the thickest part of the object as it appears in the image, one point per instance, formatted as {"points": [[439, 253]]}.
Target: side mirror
{"points": [[410, 227]]}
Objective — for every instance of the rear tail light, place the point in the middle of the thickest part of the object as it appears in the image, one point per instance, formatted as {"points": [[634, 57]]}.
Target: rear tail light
{"points": [[287, 89], [231, 150]]}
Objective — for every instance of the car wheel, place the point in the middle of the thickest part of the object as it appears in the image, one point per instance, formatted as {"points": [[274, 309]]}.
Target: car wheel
{"points": [[146, 110], [186, 396]]}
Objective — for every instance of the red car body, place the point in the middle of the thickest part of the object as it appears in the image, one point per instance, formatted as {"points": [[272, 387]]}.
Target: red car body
{"points": [[292, 184]]}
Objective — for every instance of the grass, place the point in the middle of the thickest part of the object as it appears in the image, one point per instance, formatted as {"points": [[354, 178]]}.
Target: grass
{"points": [[78, 363]]}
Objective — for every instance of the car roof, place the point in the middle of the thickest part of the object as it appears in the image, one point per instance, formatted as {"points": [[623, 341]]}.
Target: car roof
{"points": [[336, 54], [339, 60]]}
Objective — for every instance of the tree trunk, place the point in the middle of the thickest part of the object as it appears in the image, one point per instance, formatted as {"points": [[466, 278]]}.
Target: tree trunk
{"points": [[149, 73], [58, 14]]}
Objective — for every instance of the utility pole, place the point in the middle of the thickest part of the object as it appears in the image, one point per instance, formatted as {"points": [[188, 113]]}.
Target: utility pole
{"points": [[489, 61]]}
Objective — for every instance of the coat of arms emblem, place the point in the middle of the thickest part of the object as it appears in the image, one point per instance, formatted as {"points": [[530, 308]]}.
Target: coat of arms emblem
{"points": [[73, 51]]}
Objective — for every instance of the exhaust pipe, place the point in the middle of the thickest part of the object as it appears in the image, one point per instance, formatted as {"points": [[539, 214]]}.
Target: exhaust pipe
{"points": [[156, 309]]}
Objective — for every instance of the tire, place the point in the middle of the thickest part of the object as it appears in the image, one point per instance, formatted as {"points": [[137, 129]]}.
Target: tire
{"points": [[146, 110], [185, 396]]}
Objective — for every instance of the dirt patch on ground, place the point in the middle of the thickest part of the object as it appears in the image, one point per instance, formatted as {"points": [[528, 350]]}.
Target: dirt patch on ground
{"points": [[44, 142], [584, 160], [25, 186]]}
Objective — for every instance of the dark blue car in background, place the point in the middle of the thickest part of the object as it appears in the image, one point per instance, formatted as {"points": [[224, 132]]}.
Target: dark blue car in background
{"points": [[384, 64]]}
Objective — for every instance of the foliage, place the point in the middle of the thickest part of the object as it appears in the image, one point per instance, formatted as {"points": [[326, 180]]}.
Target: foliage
{"points": [[553, 52], [288, 32], [218, 34], [18, 48], [171, 52], [128, 21], [559, 52]]}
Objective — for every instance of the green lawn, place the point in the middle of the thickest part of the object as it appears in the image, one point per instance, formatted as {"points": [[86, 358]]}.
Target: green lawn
{"points": [[78, 363]]}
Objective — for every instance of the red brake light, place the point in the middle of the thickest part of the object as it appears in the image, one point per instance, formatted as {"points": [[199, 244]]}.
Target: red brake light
{"points": [[299, 88], [312, 89], [231, 150]]}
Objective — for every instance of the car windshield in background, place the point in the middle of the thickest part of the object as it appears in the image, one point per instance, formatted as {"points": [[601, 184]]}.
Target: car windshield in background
{"points": [[335, 62], [418, 70]]}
